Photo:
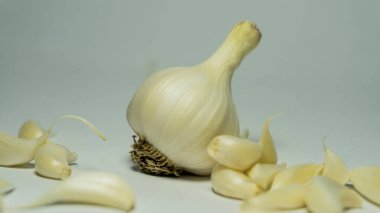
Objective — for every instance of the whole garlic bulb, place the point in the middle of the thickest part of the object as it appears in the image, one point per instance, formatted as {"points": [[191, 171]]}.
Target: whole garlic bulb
{"points": [[178, 111]]}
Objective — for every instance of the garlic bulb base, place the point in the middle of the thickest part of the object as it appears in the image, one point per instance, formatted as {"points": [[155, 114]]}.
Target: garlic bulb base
{"points": [[151, 161]]}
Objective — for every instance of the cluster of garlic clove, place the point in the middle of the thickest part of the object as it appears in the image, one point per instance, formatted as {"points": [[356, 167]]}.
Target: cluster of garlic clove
{"points": [[51, 160], [271, 187], [176, 112]]}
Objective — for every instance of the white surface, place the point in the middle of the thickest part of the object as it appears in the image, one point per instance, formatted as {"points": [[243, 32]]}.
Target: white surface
{"points": [[318, 63]]}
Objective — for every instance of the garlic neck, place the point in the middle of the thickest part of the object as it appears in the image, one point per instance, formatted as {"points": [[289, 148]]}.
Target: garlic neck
{"points": [[243, 38]]}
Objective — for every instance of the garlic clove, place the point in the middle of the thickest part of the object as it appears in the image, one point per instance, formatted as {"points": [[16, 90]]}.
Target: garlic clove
{"points": [[234, 152], [264, 174], [232, 183], [177, 112], [269, 155], [30, 130], [366, 180], [288, 197], [5, 187], [91, 188], [17, 151], [301, 173], [334, 167], [325, 195], [52, 161]]}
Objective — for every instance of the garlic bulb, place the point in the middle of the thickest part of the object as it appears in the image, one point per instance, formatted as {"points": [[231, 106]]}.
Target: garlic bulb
{"points": [[178, 111]]}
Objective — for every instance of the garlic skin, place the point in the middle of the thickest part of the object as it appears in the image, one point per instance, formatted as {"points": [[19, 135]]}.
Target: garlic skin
{"points": [[93, 188], [17, 151], [264, 174], [180, 110], [52, 161], [334, 167], [30, 129], [366, 180]]}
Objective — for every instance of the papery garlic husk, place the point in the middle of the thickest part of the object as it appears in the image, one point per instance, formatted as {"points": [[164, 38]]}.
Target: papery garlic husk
{"points": [[178, 111], [5, 186], [234, 152], [366, 180], [325, 195], [53, 161], [291, 196], [91, 188], [17, 151], [264, 174], [301, 173], [30, 129], [334, 167], [232, 183], [269, 155]]}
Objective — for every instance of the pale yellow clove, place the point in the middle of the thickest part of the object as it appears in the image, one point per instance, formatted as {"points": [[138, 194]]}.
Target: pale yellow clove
{"points": [[285, 198], [52, 161], [325, 195], [264, 174], [334, 167], [366, 180], [92, 188], [17, 151], [232, 183], [5, 186], [234, 152], [269, 155], [30, 130], [301, 173]]}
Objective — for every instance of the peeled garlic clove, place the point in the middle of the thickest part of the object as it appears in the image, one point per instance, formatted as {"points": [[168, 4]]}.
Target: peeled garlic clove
{"points": [[93, 188], [234, 152], [301, 173], [291, 196], [17, 151], [5, 186], [177, 112], [269, 155], [263, 174], [232, 183], [30, 130], [52, 161], [325, 195], [366, 180], [334, 167]]}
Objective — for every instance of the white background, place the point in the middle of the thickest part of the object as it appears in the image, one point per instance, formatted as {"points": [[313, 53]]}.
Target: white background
{"points": [[318, 64]]}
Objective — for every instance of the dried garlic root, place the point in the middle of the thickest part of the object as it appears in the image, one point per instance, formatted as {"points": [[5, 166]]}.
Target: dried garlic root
{"points": [[92, 188], [366, 180], [52, 161], [334, 167], [30, 130], [301, 173], [324, 195], [285, 198], [5, 186], [264, 174], [269, 155], [234, 152], [232, 183]]}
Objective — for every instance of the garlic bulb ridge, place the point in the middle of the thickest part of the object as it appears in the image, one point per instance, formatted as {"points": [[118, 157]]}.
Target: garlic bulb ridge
{"points": [[178, 111]]}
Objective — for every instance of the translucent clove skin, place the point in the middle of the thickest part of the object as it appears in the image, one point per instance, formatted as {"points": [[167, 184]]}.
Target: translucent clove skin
{"points": [[5, 186], [232, 183], [366, 180], [264, 174], [288, 197], [300, 173], [30, 130], [17, 151], [334, 167], [325, 195], [234, 152], [269, 155], [92, 188], [52, 161]]}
